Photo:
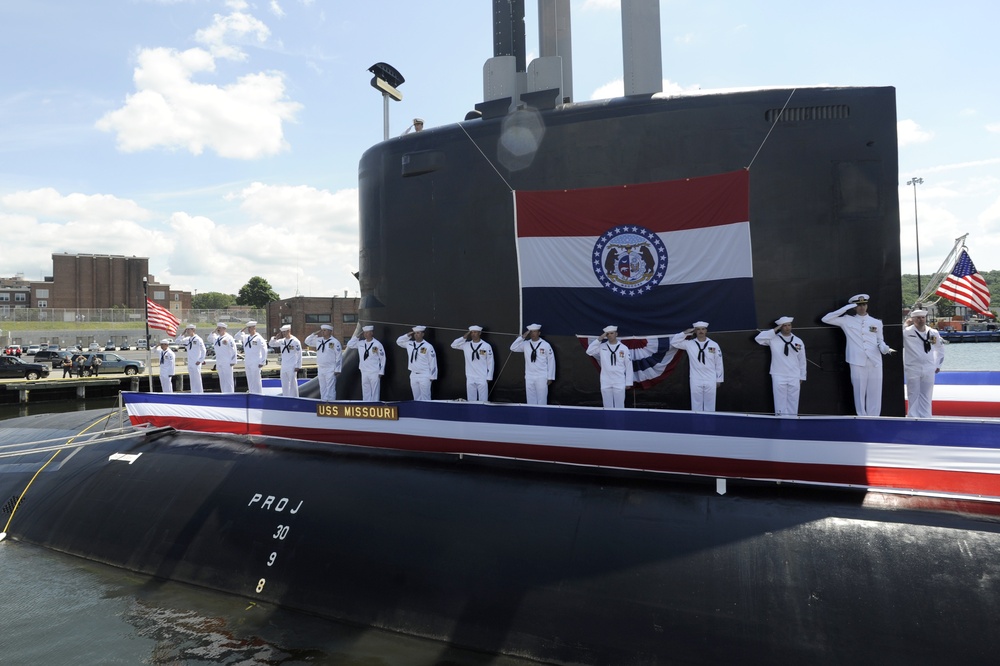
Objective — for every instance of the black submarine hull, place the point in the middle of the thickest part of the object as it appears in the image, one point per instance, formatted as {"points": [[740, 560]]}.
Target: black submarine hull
{"points": [[437, 223], [563, 565]]}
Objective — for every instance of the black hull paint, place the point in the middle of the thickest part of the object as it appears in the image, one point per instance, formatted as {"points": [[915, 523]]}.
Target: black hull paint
{"points": [[437, 232], [562, 565]]}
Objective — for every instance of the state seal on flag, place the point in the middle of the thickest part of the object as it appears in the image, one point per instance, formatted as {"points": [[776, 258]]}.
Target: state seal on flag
{"points": [[629, 260]]}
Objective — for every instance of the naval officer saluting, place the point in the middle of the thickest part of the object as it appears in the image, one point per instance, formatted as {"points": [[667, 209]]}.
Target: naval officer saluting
{"points": [[167, 357], [539, 364], [328, 361], [788, 365], [291, 360], [615, 360], [705, 362], [225, 356], [371, 362], [923, 354], [478, 363], [422, 362], [254, 356], [865, 348], [196, 354]]}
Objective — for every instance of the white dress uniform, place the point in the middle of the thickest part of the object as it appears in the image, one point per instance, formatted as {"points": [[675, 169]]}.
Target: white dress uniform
{"points": [[422, 364], [705, 361], [290, 350], [196, 354], [865, 347], [329, 359], [167, 358], [923, 354], [371, 362], [225, 359], [616, 371], [539, 368], [254, 358], [478, 367], [788, 369]]}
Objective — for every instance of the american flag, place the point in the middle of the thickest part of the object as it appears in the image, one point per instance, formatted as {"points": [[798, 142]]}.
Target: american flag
{"points": [[966, 286], [161, 318]]}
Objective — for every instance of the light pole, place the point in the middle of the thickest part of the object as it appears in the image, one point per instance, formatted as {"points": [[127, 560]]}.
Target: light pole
{"points": [[386, 81], [916, 227]]}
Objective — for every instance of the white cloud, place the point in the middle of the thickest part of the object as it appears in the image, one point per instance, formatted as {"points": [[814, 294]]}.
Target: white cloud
{"points": [[602, 4], [616, 88], [224, 30], [276, 9], [241, 120], [47, 202], [993, 127], [909, 132], [991, 214]]}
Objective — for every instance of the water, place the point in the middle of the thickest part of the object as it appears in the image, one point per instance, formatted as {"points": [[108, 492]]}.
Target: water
{"points": [[59, 609], [972, 356]]}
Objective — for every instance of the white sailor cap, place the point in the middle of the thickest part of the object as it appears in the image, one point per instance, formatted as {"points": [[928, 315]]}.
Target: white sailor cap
{"points": [[534, 327], [286, 327], [781, 321], [610, 329], [858, 299], [419, 329], [367, 328], [251, 323], [165, 341], [222, 324], [476, 328], [189, 327], [418, 120], [700, 324], [918, 313], [326, 327]]}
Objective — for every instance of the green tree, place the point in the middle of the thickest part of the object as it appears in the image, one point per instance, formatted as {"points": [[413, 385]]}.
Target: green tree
{"points": [[257, 292], [212, 300]]}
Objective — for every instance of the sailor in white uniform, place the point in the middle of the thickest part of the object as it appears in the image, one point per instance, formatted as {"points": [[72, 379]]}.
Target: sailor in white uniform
{"points": [[923, 354], [290, 349], [328, 361], [539, 364], [705, 361], [478, 363], [371, 362], [254, 356], [865, 348], [196, 354], [421, 362], [167, 358], [225, 356], [615, 360], [788, 365]]}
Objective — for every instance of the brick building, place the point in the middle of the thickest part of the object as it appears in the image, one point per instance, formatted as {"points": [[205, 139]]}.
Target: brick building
{"points": [[306, 314]]}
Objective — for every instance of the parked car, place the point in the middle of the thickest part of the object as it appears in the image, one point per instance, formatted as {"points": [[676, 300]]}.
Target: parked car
{"points": [[12, 367], [110, 346], [53, 356], [141, 345], [32, 350], [114, 363], [12, 350], [94, 347]]}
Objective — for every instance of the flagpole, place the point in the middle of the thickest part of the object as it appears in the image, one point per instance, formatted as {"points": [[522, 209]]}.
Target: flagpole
{"points": [[145, 309]]}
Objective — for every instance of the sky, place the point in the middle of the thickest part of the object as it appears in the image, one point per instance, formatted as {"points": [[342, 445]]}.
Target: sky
{"points": [[221, 138]]}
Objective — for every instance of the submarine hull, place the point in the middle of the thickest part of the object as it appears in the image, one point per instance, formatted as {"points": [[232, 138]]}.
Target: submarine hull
{"points": [[569, 565]]}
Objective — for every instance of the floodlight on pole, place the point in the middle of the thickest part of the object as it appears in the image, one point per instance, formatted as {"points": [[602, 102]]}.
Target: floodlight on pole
{"points": [[914, 182], [386, 80]]}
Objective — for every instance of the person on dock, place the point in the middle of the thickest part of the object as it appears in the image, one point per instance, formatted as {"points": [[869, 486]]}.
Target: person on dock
{"points": [[196, 353], [478, 363], [67, 366], [225, 356], [788, 365], [167, 358], [923, 354], [291, 360], [95, 364], [705, 361], [329, 359], [539, 364], [615, 361], [79, 363], [254, 355], [865, 348], [422, 361], [371, 362]]}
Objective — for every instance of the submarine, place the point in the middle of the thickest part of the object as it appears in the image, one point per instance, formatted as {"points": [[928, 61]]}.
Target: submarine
{"points": [[567, 533]]}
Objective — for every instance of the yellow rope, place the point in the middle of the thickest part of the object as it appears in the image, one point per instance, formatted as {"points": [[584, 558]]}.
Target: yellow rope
{"points": [[24, 492]]}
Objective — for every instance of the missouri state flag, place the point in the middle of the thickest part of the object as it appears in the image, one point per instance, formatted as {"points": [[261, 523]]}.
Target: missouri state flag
{"points": [[649, 258]]}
